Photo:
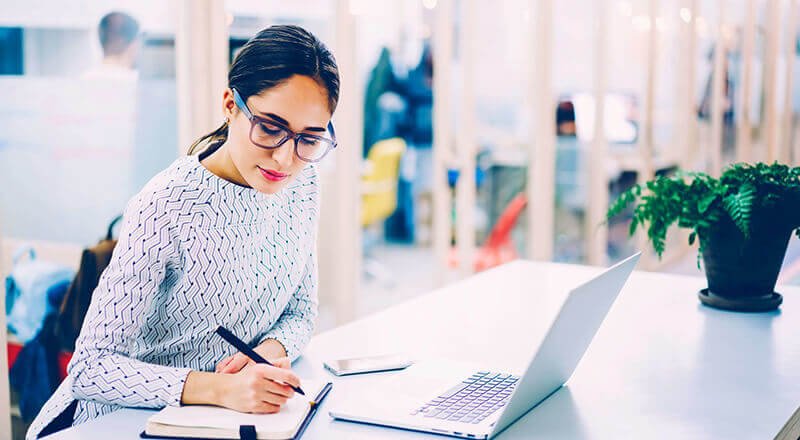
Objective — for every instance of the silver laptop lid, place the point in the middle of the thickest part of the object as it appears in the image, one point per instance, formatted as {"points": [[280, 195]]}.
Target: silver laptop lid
{"points": [[567, 340]]}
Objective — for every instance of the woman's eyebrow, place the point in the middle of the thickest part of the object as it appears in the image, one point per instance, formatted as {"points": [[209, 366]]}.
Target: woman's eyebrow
{"points": [[286, 123]]}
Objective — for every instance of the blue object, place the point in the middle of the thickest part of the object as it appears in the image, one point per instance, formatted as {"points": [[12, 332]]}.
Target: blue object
{"points": [[34, 374], [399, 227], [33, 289], [452, 176]]}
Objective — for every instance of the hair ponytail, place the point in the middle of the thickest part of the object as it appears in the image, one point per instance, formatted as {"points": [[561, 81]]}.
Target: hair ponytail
{"points": [[212, 140]]}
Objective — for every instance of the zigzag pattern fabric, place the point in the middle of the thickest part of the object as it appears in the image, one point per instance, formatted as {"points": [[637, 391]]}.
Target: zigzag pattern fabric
{"points": [[194, 252]]}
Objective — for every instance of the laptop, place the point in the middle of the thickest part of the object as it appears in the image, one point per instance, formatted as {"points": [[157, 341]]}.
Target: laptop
{"points": [[467, 402]]}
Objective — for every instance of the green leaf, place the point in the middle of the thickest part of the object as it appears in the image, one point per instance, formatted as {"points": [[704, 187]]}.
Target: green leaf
{"points": [[740, 206], [705, 202], [692, 238]]}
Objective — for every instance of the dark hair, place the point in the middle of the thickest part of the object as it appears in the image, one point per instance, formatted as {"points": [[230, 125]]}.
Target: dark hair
{"points": [[269, 59], [117, 31]]}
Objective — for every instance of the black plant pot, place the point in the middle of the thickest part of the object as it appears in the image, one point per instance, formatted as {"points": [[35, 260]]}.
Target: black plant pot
{"points": [[742, 272]]}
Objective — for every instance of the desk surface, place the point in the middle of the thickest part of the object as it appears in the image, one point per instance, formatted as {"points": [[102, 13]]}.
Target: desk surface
{"points": [[661, 365]]}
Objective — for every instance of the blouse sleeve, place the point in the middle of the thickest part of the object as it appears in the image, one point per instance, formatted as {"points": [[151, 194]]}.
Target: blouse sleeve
{"points": [[102, 368]]}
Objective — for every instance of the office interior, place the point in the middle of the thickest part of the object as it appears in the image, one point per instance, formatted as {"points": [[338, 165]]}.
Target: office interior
{"points": [[471, 134]]}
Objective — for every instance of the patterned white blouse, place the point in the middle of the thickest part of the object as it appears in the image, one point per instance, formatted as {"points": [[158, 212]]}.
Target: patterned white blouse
{"points": [[194, 252]]}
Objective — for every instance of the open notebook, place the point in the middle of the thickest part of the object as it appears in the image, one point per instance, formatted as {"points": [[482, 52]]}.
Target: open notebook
{"points": [[211, 422]]}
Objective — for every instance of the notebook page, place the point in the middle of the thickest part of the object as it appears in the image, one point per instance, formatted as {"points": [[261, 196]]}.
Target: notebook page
{"points": [[202, 416]]}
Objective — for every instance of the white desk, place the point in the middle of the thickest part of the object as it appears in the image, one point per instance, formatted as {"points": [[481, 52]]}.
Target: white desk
{"points": [[661, 366]]}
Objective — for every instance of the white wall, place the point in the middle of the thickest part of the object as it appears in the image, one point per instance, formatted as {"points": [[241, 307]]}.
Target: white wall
{"points": [[153, 15]]}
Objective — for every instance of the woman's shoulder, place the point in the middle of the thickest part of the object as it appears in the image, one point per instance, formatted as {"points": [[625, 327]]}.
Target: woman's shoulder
{"points": [[182, 172], [180, 181]]}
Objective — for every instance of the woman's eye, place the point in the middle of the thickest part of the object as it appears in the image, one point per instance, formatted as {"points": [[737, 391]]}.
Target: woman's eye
{"points": [[269, 128], [309, 141]]}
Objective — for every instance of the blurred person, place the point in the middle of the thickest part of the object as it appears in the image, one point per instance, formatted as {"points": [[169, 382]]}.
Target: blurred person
{"points": [[565, 119], [728, 97], [120, 39], [419, 93], [380, 111], [416, 170]]}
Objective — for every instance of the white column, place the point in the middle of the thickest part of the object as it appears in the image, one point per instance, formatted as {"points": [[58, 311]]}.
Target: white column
{"points": [[684, 138], [541, 159], [788, 114], [744, 135], [467, 148], [772, 29], [346, 259], [646, 140], [596, 235], [691, 99], [201, 67], [684, 86], [717, 95], [442, 134], [5, 398]]}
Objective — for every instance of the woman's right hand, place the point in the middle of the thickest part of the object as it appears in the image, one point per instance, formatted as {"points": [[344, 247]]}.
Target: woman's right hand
{"points": [[258, 388]]}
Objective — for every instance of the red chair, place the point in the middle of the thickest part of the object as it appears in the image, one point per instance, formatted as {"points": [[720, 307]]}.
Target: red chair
{"points": [[499, 248]]}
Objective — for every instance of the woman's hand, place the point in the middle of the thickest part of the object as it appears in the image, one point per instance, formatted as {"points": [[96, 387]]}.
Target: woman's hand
{"points": [[234, 363], [269, 349], [259, 388]]}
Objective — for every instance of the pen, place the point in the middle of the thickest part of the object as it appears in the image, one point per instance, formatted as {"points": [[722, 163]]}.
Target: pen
{"points": [[247, 351]]}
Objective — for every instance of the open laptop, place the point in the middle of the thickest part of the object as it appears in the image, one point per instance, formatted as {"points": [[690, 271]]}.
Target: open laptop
{"points": [[467, 402]]}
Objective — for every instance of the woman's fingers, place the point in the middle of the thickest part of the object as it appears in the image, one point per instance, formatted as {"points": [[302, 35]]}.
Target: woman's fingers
{"points": [[265, 408], [234, 363], [223, 363], [275, 399], [282, 375], [282, 363], [279, 389], [265, 387], [238, 362], [266, 390]]}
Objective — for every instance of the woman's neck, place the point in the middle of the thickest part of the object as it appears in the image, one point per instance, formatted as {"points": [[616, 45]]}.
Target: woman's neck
{"points": [[220, 164]]}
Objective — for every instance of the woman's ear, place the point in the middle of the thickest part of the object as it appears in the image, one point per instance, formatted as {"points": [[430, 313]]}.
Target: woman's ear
{"points": [[228, 105]]}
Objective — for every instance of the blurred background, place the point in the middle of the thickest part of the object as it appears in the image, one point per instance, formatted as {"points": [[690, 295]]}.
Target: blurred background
{"points": [[471, 133]]}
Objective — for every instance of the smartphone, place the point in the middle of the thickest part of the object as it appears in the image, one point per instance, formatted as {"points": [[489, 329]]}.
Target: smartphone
{"points": [[367, 364]]}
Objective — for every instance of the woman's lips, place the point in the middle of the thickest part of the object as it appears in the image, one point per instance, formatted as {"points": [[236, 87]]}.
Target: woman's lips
{"points": [[272, 175]]}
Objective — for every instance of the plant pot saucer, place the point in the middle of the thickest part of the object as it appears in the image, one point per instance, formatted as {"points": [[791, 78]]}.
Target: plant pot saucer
{"points": [[744, 304]]}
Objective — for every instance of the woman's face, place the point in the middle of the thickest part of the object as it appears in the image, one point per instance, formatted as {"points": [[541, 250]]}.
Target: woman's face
{"points": [[300, 104]]}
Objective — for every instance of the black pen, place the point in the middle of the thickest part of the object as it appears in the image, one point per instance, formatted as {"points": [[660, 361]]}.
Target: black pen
{"points": [[247, 351]]}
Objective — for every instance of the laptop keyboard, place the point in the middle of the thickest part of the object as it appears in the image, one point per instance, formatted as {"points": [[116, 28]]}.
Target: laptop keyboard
{"points": [[472, 400]]}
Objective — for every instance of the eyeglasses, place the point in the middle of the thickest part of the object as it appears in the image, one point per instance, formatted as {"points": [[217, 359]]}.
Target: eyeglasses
{"points": [[270, 134]]}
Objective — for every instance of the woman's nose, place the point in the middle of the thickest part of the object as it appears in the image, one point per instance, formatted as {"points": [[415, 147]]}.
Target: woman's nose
{"points": [[284, 154]]}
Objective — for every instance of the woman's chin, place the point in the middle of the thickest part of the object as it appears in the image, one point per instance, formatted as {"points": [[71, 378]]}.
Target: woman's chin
{"points": [[266, 187]]}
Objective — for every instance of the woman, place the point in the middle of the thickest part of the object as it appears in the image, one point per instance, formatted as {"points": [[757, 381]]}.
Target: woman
{"points": [[225, 237]]}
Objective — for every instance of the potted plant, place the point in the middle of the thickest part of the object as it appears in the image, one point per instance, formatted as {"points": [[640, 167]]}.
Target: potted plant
{"points": [[743, 221]]}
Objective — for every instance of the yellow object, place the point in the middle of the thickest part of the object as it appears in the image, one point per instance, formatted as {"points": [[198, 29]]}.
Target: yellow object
{"points": [[379, 182]]}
